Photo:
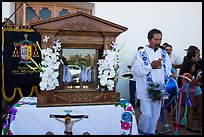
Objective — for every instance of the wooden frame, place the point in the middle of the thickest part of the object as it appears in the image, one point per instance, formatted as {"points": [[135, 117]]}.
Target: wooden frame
{"points": [[79, 30]]}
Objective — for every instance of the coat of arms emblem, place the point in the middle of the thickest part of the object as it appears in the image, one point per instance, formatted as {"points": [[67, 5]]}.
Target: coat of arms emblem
{"points": [[25, 49]]}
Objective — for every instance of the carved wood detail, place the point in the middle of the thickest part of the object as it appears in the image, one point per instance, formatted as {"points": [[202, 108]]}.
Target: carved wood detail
{"points": [[77, 98], [108, 42], [80, 26]]}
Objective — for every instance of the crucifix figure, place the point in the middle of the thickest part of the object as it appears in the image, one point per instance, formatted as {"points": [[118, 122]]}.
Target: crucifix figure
{"points": [[68, 122]]}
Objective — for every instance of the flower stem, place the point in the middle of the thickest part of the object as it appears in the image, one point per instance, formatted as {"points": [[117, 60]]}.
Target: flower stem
{"points": [[38, 45]]}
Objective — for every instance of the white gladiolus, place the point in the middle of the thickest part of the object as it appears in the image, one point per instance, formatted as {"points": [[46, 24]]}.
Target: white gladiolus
{"points": [[46, 39], [50, 66], [110, 84], [108, 67]]}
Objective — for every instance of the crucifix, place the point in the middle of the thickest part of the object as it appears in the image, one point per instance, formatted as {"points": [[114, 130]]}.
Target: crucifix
{"points": [[68, 122]]}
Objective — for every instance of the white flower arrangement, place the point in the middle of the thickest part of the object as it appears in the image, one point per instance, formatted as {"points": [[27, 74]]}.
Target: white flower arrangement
{"points": [[108, 68], [49, 68]]}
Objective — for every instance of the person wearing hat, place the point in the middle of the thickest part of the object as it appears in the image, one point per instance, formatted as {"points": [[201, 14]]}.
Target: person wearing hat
{"points": [[186, 73], [195, 49], [193, 53], [192, 48]]}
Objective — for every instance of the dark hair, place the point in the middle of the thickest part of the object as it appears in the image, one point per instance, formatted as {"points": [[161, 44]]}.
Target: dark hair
{"points": [[140, 47], [185, 68], [189, 56], [192, 48], [152, 32], [167, 45], [164, 44]]}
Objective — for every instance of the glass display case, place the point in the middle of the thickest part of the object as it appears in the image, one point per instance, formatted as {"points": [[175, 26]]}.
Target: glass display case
{"points": [[83, 38]]}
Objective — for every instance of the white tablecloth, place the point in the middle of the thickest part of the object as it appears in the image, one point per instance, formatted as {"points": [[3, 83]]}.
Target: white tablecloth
{"points": [[102, 119]]}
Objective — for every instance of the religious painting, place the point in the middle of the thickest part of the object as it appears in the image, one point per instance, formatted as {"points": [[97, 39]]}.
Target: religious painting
{"points": [[79, 67]]}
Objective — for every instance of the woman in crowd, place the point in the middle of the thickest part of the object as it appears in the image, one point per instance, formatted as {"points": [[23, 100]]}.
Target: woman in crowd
{"points": [[187, 71], [194, 55]]}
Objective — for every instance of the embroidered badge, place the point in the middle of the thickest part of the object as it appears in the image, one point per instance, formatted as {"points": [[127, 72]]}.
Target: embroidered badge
{"points": [[25, 49]]}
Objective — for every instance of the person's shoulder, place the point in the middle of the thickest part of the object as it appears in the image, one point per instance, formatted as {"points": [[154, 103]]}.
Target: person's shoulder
{"points": [[144, 48], [161, 50], [200, 61], [173, 54], [176, 55]]}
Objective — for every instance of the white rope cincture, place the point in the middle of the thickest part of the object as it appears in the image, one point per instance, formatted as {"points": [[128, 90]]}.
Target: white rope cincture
{"points": [[184, 77]]}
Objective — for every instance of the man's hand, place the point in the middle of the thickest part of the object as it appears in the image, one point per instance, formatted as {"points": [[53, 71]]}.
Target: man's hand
{"points": [[173, 76], [156, 64]]}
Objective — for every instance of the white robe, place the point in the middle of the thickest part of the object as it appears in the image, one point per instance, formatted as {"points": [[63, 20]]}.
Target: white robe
{"points": [[140, 71], [67, 76], [83, 74], [150, 110]]}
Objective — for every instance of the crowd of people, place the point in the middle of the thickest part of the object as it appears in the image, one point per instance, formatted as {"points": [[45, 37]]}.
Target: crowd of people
{"points": [[152, 67]]}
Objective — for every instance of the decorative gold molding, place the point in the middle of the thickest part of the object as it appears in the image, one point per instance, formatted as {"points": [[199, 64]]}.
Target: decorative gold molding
{"points": [[108, 42], [81, 98], [76, 98], [80, 26]]}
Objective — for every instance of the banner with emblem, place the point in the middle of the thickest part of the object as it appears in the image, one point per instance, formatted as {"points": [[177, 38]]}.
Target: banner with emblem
{"points": [[19, 46]]}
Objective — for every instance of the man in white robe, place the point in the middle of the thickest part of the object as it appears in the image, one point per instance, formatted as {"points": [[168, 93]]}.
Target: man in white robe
{"points": [[158, 65]]}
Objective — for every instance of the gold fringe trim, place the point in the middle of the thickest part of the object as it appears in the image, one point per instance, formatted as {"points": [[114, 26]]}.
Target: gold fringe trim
{"points": [[7, 99], [18, 30], [17, 26]]}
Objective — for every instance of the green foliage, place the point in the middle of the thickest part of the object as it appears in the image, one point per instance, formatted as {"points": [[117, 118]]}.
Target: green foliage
{"points": [[154, 91], [79, 60], [5, 131]]}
